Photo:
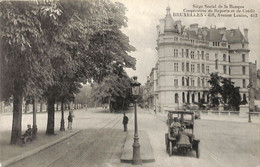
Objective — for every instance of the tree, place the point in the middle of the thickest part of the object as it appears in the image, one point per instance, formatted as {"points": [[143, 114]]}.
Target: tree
{"points": [[226, 93], [25, 66], [87, 33], [215, 89], [114, 90], [230, 94]]}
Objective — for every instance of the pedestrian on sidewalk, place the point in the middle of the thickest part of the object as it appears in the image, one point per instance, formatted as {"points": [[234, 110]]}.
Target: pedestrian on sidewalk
{"points": [[70, 119], [125, 122]]}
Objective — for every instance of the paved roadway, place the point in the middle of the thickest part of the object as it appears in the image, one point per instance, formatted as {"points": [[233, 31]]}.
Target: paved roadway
{"points": [[101, 140]]}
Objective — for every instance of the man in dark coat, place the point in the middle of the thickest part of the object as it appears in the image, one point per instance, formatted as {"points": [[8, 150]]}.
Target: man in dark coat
{"points": [[125, 122]]}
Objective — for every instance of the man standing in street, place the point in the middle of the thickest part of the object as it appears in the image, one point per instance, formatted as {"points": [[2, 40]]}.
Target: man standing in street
{"points": [[125, 122], [70, 119]]}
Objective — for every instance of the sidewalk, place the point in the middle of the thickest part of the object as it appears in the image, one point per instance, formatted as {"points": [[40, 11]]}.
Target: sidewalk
{"points": [[146, 150], [162, 117], [11, 154]]}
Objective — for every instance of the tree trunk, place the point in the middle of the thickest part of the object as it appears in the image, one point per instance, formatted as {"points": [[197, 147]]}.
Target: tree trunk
{"points": [[41, 107], [17, 115], [26, 108], [110, 106], [50, 109], [62, 126], [34, 119], [57, 106]]}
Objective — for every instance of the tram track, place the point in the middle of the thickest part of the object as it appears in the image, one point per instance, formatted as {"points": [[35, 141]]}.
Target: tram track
{"points": [[82, 147]]}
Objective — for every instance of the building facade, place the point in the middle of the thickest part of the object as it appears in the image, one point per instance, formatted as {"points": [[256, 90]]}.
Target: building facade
{"points": [[187, 56]]}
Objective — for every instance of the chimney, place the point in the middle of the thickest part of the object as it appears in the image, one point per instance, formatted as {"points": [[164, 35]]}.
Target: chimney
{"points": [[222, 31], [194, 27], [204, 31], [246, 34]]}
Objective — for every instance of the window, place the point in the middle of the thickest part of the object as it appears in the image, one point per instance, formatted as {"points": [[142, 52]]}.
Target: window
{"points": [[175, 38], [192, 54], [187, 81], [203, 82], [175, 82], [182, 66], [224, 69], [203, 68], [244, 98], [216, 64], [187, 53], [198, 52], [198, 82], [207, 69], [244, 83], [229, 59], [193, 98], [244, 70], [216, 56], [176, 98], [192, 82], [175, 52], [175, 66], [183, 97], [182, 81], [207, 56], [182, 52], [224, 57], [243, 45], [187, 67], [202, 55], [198, 68], [243, 57], [229, 71], [192, 68]]}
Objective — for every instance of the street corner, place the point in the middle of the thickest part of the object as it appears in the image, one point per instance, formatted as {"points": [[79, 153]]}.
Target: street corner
{"points": [[146, 149]]}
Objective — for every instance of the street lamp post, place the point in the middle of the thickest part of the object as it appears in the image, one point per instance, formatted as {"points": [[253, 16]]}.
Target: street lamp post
{"points": [[136, 146], [249, 99]]}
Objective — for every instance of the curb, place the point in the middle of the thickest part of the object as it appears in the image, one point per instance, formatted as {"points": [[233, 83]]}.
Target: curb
{"points": [[40, 148]]}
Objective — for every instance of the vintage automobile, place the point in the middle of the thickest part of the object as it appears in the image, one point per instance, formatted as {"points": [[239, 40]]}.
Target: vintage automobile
{"points": [[180, 138]]}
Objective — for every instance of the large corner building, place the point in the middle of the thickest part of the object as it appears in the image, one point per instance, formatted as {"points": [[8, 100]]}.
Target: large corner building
{"points": [[187, 56]]}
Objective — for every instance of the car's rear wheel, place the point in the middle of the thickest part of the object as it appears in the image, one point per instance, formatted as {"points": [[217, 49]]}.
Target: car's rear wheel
{"points": [[198, 152], [170, 148]]}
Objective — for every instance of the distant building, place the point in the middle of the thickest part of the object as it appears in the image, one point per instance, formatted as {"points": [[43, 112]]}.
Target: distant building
{"points": [[187, 56]]}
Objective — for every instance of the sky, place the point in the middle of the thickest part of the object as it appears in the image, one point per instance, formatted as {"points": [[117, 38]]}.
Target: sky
{"points": [[143, 17]]}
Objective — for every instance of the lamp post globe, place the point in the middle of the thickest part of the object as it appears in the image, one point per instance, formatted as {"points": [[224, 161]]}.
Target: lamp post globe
{"points": [[136, 145]]}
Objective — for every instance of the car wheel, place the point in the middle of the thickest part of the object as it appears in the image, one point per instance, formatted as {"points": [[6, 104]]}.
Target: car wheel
{"points": [[198, 152], [170, 148]]}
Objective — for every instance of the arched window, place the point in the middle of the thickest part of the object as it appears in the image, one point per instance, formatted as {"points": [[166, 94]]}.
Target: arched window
{"points": [[224, 57], [244, 99], [188, 97], [193, 97], [176, 98]]}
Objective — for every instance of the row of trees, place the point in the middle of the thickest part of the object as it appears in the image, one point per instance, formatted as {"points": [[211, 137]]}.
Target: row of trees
{"points": [[48, 48]]}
